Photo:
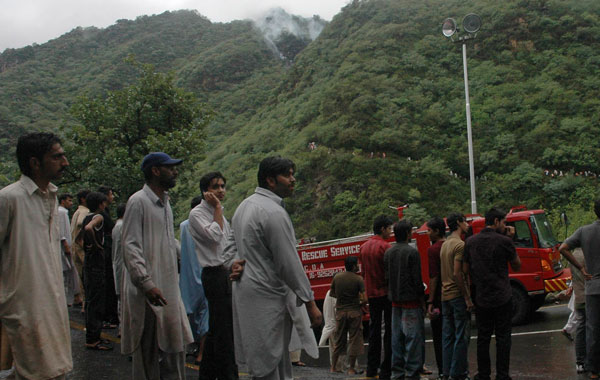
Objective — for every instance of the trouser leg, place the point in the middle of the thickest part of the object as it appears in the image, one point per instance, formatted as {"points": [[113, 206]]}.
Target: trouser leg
{"points": [[398, 344], [283, 370], [448, 336], [592, 311], [412, 325], [218, 358], [580, 344], [172, 365], [386, 365], [374, 351], [145, 363], [462, 319], [503, 315], [94, 306], [436, 332], [485, 328]]}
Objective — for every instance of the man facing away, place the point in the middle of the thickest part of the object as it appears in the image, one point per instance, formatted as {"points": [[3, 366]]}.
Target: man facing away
{"points": [[70, 274], [209, 230], [486, 259], [456, 301], [348, 288], [264, 237], [588, 239], [436, 228], [76, 222], [33, 308], [405, 288], [380, 307], [155, 328]]}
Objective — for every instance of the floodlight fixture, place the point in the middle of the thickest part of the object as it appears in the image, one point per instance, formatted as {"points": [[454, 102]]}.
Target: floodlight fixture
{"points": [[471, 23], [449, 27]]}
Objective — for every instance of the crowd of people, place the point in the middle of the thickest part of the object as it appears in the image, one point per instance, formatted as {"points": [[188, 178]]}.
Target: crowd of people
{"points": [[468, 274], [222, 279], [128, 272]]}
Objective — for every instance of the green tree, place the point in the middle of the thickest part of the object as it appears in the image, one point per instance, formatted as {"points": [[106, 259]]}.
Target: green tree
{"points": [[115, 131]]}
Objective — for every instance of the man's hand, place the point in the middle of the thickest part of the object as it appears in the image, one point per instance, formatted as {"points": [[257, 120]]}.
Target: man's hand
{"points": [[155, 297], [237, 268], [585, 273], [470, 305], [510, 231], [212, 199], [316, 318]]}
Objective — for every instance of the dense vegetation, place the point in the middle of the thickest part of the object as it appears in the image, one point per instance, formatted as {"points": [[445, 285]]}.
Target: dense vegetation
{"points": [[380, 93]]}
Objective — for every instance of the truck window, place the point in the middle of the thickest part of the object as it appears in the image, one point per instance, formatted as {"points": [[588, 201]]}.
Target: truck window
{"points": [[522, 236], [544, 232]]}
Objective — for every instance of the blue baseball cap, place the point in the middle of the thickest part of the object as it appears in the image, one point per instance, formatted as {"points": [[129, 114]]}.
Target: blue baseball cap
{"points": [[157, 159]]}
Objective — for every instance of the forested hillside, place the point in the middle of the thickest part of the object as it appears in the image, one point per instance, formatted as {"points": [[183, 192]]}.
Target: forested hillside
{"points": [[372, 110]]}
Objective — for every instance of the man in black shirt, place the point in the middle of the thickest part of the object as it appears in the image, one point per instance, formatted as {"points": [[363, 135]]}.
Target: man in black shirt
{"points": [[486, 259], [111, 315]]}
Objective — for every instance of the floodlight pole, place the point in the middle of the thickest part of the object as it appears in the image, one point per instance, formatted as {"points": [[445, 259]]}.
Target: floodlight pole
{"points": [[469, 132]]}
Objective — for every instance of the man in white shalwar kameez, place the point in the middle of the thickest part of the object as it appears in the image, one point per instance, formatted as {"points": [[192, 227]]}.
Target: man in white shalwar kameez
{"points": [[70, 274], [33, 308], [155, 325], [264, 236]]}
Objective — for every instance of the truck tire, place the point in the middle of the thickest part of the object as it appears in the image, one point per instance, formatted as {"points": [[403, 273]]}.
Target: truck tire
{"points": [[521, 306], [537, 301]]}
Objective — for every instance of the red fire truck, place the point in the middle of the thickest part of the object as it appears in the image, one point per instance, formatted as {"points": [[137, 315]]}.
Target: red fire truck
{"points": [[541, 270]]}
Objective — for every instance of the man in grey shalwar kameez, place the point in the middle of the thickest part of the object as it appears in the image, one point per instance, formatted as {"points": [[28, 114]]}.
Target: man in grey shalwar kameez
{"points": [[264, 236], [155, 325]]}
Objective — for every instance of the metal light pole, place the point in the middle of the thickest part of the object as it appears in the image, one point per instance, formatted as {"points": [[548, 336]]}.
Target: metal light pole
{"points": [[471, 24]]}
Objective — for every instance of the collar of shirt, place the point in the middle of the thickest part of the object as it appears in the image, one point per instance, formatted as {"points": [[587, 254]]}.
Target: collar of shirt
{"points": [[83, 208], [209, 207], [269, 194], [153, 197], [31, 186]]}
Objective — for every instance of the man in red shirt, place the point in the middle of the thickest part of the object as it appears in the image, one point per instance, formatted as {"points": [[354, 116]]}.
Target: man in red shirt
{"points": [[371, 257]]}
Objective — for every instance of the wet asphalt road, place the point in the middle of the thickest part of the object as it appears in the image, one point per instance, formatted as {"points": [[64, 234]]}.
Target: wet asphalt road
{"points": [[539, 351]]}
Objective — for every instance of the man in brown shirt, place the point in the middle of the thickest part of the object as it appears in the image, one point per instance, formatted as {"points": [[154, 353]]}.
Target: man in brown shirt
{"points": [[349, 290], [456, 301]]}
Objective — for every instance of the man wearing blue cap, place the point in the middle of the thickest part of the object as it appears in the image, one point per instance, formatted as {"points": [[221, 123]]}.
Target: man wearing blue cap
{"points": [[155, 325]]}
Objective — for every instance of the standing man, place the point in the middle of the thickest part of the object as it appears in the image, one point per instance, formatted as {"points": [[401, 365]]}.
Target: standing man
{"points": [[70, 274], [380, 307], [209, 230], [33, 308], [456, 301], [264, 236], [111, 314], [117, 256], [76, 225], [403, 273], [348, 288], [588, 238], [155, 328], [486, 260], [436, 228]]}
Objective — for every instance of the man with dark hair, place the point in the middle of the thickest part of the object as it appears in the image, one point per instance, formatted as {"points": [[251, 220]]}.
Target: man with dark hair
{"points": [[436, 228], [380, 307], [588, 239], [486, 259], [76, 225], [117, 255], [33, 307], [348, 288], [456, 301], [405, 288], [264, 237], [155, 328], [70, 275], [209, 230], [111, 314], [94, 271]]}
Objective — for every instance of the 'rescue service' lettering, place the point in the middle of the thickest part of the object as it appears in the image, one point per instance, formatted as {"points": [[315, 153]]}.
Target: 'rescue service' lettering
{"points": [[345, 250], [313, 255]]}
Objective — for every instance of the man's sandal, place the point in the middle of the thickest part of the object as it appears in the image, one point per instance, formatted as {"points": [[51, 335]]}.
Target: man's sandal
{"points": [[101, 345]]}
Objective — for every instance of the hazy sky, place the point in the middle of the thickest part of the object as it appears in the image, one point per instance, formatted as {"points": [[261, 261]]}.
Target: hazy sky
{"points": [[23, 22]]}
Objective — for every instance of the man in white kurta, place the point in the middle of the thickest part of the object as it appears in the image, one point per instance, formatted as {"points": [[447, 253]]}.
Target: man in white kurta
{"points": [[264, 236], [70, 274], [155, 327], [33, 308]]}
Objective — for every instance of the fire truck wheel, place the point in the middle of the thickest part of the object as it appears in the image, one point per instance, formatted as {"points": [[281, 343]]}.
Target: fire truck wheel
{"points": [[521, 306]]}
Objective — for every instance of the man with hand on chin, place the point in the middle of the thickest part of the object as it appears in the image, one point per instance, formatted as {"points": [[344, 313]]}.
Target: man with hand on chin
{"points": [[155, 329]]}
